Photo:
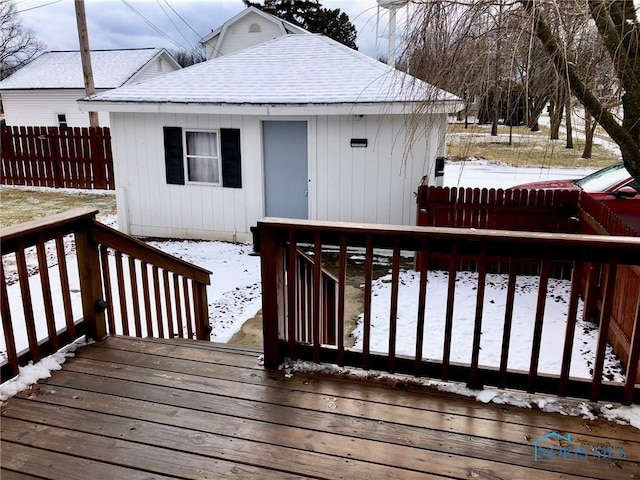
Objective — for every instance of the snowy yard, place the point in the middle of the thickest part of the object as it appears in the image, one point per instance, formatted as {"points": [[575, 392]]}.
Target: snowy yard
{"points": [[235, 296], [492, 323]]}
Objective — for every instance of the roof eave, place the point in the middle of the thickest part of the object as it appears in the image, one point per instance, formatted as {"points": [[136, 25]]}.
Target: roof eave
{"points": [[274, 109]]}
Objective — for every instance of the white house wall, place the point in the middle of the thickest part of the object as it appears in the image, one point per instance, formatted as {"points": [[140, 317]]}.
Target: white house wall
{"points": [[375, 184], [158, 66], [237, 36], [39, 108], [347, 184]]}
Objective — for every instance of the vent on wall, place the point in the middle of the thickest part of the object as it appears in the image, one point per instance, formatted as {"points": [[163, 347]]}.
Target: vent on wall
{"points": [[359, 142]]}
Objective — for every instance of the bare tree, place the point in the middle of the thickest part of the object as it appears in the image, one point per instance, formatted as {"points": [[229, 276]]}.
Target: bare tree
{"points": [[18, 46], [543, 24]]}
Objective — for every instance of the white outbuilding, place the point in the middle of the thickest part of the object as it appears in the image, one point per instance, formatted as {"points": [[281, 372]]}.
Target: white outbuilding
{"points": [[299, 126], [45, 92]]}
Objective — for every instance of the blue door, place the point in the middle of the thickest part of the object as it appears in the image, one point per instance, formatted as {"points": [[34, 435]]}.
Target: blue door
{"points": [[286, 180]]}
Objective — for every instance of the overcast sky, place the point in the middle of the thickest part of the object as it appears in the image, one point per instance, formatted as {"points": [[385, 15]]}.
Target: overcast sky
{"points": [[114, 24]]}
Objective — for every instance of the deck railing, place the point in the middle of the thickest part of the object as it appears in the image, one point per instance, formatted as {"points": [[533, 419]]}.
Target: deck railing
{"points": [[280, 238], [68, 275]]}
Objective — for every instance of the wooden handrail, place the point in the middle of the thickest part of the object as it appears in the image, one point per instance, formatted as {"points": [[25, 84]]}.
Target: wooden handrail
{"points": [[28, 232], [121, 242], [536, 242]]}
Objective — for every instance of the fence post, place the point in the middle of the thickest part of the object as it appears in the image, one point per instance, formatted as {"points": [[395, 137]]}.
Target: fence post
{"points": [[93, 305], [272, 268]]}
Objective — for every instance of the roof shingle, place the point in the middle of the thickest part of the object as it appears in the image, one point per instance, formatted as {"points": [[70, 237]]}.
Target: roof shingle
{"points": [[292, 69]]}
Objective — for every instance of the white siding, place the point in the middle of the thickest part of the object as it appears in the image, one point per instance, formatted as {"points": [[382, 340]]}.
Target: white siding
{"points": [[375, 184], [39, 108], [156, 67], [154, 208], [237, 36]]}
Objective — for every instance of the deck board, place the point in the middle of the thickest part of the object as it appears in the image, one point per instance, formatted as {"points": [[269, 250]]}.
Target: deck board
{"points": [[178, 409]]}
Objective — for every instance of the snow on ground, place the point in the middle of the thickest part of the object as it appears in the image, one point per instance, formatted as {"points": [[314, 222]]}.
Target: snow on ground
{"points": [[553, 333], [235, 293], [235, 296], [484, 174]]}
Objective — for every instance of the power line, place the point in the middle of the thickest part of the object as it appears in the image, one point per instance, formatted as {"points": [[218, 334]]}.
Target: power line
{"points": [[172, 22], [38, 6], [148, 22], [183, 20]]}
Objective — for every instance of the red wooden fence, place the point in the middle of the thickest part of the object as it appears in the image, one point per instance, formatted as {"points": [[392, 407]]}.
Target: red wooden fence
{"points": [[597, 218], [521, 210], [57, 157], [528, 210]]}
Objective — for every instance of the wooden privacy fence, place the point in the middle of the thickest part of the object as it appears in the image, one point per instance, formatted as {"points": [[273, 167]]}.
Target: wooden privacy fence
{"points": [[57, 157], [597, 218], [114, 284], [279, 239], [511, 209]]}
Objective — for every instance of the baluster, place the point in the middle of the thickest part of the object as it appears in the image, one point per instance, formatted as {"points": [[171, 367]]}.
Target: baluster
{"points": [[393, 311], [539, 320]]}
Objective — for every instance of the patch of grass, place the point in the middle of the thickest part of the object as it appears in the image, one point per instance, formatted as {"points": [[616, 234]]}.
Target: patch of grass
{"points": [[528, 149], [22, 205]]}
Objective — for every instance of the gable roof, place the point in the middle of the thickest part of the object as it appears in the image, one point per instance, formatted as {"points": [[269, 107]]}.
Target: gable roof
{"points": [[111, 69], [287, 27], [288, 70]]}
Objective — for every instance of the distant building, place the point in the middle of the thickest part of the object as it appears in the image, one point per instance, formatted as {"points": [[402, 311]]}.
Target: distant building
{"points": [[250, 27], [45, 92]]}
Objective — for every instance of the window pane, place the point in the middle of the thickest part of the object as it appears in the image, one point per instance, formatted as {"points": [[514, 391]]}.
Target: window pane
{"points": [[202, 144], [203, 170]]}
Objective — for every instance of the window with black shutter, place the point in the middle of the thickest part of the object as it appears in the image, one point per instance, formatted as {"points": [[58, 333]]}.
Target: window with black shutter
{"points": [[197, 152]]}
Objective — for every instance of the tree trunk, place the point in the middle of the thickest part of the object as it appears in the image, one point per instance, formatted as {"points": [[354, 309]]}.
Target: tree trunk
{"points": [[589, 129], [567, 109], [556, 118], [627, 135]]}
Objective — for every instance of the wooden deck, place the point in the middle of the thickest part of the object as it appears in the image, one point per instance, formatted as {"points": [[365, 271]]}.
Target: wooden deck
{"points": [[128, 408]]}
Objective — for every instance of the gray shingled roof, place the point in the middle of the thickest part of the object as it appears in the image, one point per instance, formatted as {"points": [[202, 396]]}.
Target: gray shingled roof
{"points": [[292, 69]]}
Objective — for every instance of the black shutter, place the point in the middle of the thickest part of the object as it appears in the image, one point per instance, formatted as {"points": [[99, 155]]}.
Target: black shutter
{"points": [[231, 169], [173, 156]]}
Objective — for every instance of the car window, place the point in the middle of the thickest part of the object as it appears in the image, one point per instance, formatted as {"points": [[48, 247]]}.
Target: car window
{"points": [[604, 179], [635, 184]]}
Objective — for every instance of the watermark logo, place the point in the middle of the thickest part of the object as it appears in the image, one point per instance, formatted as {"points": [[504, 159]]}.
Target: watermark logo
{"points": [[565, 447]]}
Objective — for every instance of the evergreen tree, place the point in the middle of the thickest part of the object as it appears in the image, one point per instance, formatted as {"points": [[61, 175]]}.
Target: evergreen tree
{"points": [[312, 16]]}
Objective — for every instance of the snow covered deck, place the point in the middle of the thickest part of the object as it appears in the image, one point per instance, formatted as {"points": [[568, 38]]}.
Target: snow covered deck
{"points": [[135, 408]]}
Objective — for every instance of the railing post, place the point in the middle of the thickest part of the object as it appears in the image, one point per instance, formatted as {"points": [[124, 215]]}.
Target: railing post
{"points": [[201, 308], [90, 284], [272, 267]]}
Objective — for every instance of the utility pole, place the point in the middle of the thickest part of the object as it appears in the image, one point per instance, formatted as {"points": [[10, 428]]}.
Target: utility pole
{"points": [[85, 55]]}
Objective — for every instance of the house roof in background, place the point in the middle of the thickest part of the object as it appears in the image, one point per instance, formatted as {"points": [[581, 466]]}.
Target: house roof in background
{"points": [[287, 26], [111, 69], [291, 69]]}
